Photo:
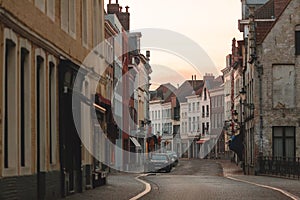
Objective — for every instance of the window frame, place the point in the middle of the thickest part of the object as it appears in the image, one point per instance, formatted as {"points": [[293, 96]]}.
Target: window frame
{"points": [[283, 137]]}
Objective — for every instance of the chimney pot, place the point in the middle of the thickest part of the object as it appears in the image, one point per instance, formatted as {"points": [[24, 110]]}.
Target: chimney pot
{"points": [[127, 7], [109, 2], [148, 54], [117, 1], [121, 8]]}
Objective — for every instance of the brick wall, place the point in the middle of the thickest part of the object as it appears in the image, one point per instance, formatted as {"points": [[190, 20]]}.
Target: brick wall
{"points": [[278, 48]]}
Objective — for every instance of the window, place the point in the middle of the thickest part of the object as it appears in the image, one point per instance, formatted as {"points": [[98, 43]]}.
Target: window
{"points": [[40, 4], [207, 110], [198, 106], [207, 127], [159, 114], [41, 110], [203, 128], [284, 141], [283, 86], [203, 111], [190, 107], [194, 123], [190, 124], [68, 16], [25, 107], [297, 40], [51, 9], [96, 20], [52, 110], [85, 22], [205, 94], [10, 103], [193, 107]]}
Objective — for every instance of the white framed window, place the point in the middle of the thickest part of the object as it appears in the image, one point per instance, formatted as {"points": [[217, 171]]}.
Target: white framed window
{"points": [[40, 4], [68, 16], [85, 26], [51, 9], [10, 80], [25, 106], [40, 94], [52, 109]]}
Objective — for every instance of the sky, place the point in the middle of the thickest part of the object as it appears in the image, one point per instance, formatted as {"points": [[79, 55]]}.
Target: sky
{"points": [[212, 24]]}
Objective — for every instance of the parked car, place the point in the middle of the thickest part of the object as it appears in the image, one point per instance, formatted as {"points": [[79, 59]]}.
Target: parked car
{"points": [[160, 162], [174, 157]]}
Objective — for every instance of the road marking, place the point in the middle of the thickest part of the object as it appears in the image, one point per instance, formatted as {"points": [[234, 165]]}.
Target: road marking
{"points": [[294, 197], [147, 189]]}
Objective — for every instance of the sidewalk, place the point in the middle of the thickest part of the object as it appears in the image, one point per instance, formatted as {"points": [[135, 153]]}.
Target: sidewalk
{"points": [[230, 168], [289, 185], [119, 186]]}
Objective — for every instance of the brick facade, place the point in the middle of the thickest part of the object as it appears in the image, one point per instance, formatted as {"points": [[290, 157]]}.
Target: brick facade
{"points": [[279, 49]]}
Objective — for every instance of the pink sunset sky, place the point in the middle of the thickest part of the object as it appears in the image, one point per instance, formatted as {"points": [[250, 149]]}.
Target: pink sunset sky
{"points": [[211, 24]]}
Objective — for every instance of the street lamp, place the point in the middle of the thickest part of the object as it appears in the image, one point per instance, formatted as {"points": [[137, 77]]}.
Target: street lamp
{"points": [[235, 115], [243, 95]]}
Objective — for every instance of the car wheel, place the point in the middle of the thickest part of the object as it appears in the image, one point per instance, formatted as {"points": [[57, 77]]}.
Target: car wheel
{"points": [[169, 169]]}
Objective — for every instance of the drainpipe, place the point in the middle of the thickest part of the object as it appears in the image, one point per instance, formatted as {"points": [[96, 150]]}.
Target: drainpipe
{"points": [[259, 68]]}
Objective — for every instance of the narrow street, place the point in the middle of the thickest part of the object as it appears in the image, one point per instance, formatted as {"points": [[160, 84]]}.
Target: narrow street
{"points": [[193, 179], [202, 179]]}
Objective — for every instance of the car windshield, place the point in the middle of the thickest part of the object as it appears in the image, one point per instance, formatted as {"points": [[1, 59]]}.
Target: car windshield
{"points": [[159, 157]]}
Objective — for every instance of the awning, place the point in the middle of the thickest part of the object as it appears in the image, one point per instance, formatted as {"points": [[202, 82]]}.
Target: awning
{"points": [[101, 109], [202, 141], [135, 142]]}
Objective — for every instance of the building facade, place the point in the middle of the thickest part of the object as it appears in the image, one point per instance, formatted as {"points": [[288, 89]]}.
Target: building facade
{"points": [[216, 93], [265, 65], [37, 68]]}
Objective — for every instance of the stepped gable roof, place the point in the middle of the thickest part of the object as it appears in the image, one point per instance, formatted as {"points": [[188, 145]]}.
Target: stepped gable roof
{"points": [[188, 88]]}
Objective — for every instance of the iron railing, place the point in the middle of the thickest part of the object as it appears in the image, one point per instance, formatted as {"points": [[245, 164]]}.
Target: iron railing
{"points": [[280, 166]]}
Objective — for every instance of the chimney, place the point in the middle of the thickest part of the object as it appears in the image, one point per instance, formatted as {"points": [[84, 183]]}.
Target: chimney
{"points": [[208, 76], [124, 18], [113, 8], [148, 54], [193, 82], [120, 9]]}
